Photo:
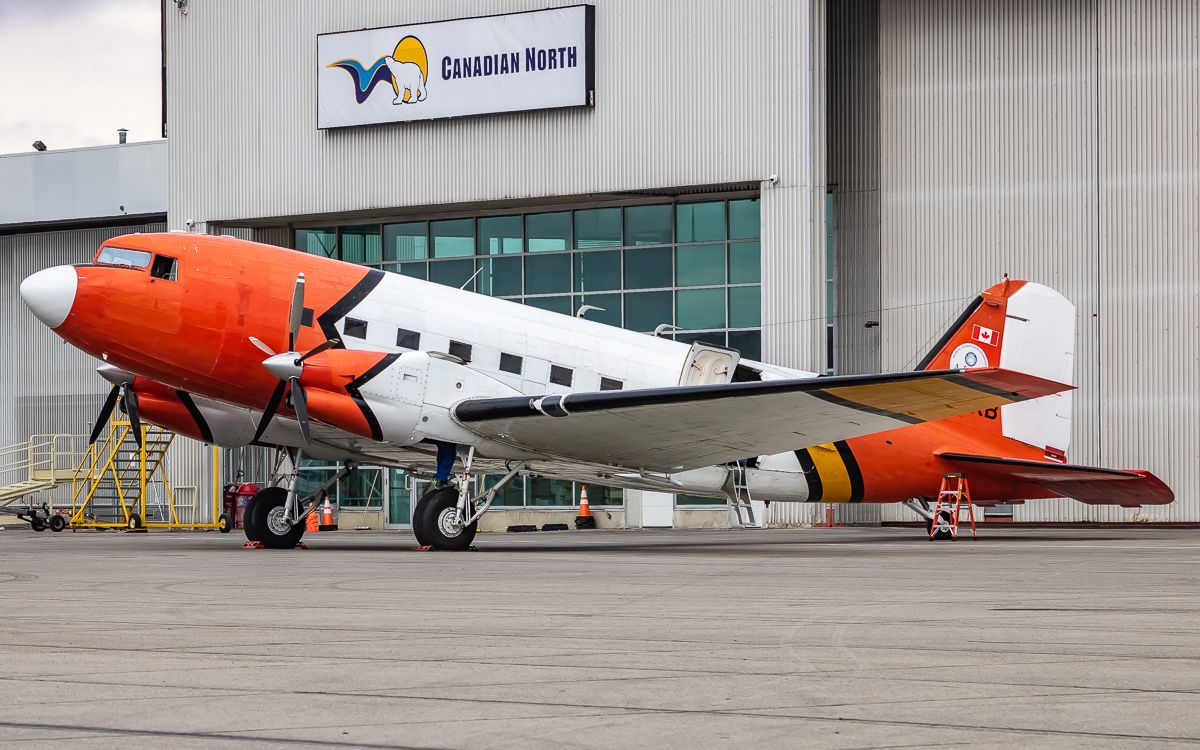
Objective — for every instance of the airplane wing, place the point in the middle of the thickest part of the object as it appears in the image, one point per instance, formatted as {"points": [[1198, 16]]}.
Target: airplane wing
{"points": [[1087, 484], [686, 427]]}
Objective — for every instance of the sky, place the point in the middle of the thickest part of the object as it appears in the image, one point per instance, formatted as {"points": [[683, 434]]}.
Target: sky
{"points": [[73, 71]]}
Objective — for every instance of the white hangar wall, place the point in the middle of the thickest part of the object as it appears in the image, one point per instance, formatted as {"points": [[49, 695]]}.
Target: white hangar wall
{"points": [[716, 93], [1055, 141]]}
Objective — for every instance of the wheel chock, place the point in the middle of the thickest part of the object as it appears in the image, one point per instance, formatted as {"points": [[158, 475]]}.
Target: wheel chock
{"points": [[429, 548], [254, 545], [301, 545]]}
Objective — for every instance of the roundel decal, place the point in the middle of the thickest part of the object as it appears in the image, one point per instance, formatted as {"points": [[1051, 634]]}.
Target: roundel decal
{"points": [[968, 355]]}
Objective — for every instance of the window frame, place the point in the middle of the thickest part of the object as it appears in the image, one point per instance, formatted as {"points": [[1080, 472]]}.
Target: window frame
{"points": [[356, 323]]}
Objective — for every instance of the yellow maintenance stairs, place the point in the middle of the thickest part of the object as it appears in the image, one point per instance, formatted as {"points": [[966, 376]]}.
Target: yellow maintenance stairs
{"points": [[114, 483], [41, 463]]}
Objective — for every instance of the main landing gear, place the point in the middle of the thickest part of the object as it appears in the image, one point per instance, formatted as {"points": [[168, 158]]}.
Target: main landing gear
{"points": [[920, 506], [447, 518], [275, 517]]}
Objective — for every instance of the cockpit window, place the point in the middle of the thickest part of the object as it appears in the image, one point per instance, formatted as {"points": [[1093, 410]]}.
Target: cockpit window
{"points": [[121, 256], [164, 267]]}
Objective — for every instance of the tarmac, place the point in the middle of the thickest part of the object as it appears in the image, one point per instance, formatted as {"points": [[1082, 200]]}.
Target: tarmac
{"points": [[821, 638]]}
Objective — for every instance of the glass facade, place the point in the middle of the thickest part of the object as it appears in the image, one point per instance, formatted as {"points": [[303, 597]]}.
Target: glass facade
{"points": [[693, 266]]}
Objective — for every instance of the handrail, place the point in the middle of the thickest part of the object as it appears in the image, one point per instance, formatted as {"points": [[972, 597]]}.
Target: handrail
{"points": [[21, 462]]}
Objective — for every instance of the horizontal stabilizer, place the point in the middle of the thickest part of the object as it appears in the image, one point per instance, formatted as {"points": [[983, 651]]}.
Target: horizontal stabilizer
{"points": [[686, 427], [1087, 484]]}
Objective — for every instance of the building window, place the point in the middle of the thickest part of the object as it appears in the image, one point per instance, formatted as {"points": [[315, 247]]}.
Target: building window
{"points": [[406, 339], [510, 363], [561, 375], [694, 265], [355, 328], [609, 384], [460, 350]]}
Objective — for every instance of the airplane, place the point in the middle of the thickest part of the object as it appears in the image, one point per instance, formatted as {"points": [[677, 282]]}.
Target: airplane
{"points": [[366, 366]]}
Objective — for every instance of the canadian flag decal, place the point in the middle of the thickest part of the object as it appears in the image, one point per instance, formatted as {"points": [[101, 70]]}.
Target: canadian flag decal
{"points": [[985, 335]]}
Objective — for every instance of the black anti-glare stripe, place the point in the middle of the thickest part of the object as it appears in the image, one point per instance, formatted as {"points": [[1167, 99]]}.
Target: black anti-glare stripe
{"points": [[578, 403], [898, 416], [197, 417], [811, 476], [949, 334], [353, 386], [328, 319], [852, 470], [1026, 463]]}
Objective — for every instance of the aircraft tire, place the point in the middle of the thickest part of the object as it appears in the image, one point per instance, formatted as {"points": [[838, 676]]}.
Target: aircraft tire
{"points": [[270, 529], [942, 534], [431, 524], [252, 531]]}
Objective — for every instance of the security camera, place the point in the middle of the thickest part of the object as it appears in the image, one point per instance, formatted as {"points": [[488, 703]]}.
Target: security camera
{"points": [[773, 179]]}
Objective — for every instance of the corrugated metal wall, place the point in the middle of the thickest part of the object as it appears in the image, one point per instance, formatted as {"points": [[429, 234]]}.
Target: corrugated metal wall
{"points": [[1055, 141], [687, 94], [47, 386]]}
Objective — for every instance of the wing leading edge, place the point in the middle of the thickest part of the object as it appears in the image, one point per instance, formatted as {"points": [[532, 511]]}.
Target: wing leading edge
{"points": [[686, 427]]}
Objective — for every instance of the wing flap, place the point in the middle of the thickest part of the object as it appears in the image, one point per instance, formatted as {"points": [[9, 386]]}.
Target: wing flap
{"points": [[671, 429], [1087, 484]]}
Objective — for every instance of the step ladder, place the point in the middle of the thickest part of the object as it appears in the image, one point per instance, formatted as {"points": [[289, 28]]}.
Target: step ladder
{"points": [[737, 492], [954, 493]]}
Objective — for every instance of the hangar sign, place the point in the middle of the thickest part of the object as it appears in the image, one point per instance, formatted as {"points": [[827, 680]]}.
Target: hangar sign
{"points": [[471, 66]]}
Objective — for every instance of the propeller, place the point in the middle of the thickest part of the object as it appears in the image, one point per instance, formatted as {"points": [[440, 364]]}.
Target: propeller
{"points": [[289, 366], [123, 389]]}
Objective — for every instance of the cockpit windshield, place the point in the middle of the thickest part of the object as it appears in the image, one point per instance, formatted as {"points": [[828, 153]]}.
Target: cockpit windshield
{"points": [[121, 256]]}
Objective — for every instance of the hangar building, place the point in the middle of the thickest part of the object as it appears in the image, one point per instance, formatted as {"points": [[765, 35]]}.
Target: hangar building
{"points": [[822, 183]]}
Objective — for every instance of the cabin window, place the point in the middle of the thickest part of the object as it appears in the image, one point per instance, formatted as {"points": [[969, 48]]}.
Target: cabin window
{"points": [[356, 328], [120, 256], [560, 375], [510, 363], [164, 267], [608, 384], [460, 350], [406, 339]]}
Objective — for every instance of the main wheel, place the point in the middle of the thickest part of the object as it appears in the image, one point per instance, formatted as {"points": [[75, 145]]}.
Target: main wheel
{"points": [[275, 531], [57, 523], [253, 534], [436, 524]]}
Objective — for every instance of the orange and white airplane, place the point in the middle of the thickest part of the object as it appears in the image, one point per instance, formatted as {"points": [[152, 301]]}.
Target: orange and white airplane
{"points": [[366, 366]]}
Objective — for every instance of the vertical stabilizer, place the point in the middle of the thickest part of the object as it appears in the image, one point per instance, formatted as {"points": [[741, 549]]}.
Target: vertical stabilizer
{"points": [[1021, 326]]}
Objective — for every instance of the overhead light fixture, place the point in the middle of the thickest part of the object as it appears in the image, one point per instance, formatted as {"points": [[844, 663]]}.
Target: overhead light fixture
{"points": [[39, 146]]}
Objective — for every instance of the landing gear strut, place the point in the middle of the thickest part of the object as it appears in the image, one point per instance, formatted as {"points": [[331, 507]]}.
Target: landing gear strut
{"points": [[274, 517], [447, 518]]}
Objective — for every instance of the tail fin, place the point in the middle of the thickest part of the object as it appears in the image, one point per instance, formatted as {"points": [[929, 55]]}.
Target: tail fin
{"points": [[1022, 326]]}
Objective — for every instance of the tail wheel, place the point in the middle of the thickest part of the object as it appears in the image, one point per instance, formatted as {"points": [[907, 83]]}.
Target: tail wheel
{"points": [[268, 521], [943, 532], [436, 523]]}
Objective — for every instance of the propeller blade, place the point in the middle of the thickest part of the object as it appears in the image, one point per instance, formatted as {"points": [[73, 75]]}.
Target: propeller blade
{"points": [[297, 314], [265, 349], [272, 405], [129, 396], [300, 405], [323, 346], [105, 413]]}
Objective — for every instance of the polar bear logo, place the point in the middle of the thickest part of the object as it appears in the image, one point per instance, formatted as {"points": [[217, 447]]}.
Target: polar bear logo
{"points": [[406, 75]]}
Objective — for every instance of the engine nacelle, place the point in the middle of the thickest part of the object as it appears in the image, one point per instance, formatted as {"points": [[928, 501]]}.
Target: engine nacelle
{"points": [[193, 416]]}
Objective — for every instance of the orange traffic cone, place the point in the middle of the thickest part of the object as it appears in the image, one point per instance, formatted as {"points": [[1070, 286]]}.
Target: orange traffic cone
{"points": [[327, 522], [312, 523], [584, 520]]}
